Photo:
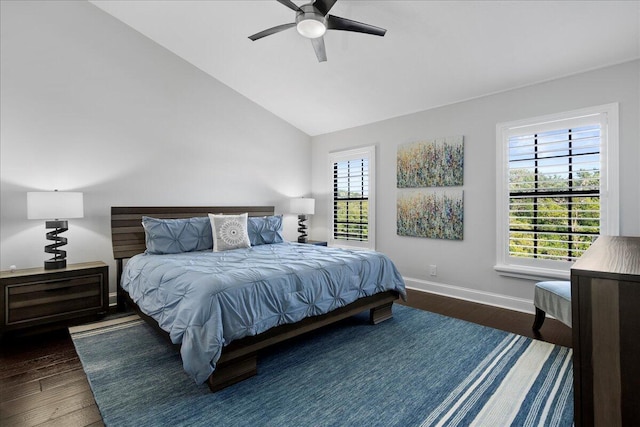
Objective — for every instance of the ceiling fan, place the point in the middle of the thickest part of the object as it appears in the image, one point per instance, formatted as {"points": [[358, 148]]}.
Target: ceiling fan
{"points": [[313, 20]]}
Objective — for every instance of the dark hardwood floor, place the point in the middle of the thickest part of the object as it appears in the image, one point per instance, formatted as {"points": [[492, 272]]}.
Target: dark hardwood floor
{"points": [[519, 323], [42, 381]]}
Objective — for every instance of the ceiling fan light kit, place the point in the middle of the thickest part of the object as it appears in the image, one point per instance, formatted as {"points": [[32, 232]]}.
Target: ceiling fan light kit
{"points": [[311, 29], [312, 22]]}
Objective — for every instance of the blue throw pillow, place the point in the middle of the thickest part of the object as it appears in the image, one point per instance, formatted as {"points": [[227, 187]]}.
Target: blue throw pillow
{"points": [[265, 230], [172, 236]]}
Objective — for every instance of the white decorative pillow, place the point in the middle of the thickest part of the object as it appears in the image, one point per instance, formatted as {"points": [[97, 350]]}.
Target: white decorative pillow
{"points": [[229, 232]]}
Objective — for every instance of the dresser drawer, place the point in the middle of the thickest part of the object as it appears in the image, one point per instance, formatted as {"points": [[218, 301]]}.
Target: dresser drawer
{"points": [[48, 299]]}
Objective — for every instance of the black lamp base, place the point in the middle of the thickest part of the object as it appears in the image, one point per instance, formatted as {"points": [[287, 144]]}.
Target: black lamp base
{"points": [[302, 229], [60, 256], [54, 264]]}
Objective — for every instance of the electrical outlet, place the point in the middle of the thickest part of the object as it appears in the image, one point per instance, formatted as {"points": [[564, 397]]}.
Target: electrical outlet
{"points": [[433, 270]]}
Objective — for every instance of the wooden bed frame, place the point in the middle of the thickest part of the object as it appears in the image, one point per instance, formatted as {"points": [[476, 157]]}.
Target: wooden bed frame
{"points": [[239, 359]]}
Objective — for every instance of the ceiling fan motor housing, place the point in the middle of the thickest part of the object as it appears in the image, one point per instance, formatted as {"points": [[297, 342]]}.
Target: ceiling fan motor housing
{"points": [[310, 22]]}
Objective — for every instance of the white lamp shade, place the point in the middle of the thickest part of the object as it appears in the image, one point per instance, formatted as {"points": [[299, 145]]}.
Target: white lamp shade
{"points": [[54, 205], [303, 206]]}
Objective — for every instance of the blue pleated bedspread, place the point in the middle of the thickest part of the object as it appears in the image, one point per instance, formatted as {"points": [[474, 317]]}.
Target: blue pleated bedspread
{"points": [[205, 300]]}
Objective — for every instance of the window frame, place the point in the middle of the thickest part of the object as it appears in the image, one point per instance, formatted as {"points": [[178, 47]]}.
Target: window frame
{"points": [[368, 152], [607, 116]]}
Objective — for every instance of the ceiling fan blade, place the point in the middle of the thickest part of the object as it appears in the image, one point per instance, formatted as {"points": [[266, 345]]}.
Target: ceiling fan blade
{"points": [[324, 6], [291, 5], [318, 46], [344, 24], [270, 31]]}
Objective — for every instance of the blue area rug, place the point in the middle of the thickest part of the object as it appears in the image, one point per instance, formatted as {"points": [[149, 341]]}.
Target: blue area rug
{"points": [[417, 369]]}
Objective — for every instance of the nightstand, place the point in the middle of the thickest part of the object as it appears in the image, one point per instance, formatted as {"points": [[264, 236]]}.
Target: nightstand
{"points": [[51, 298], [316, 243]]}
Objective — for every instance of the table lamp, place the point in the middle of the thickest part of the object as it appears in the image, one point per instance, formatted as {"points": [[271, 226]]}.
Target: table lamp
{"points": [[302, 206], [53, 205]]}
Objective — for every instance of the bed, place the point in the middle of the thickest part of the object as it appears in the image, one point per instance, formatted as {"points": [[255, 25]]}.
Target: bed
{"points": [[223, 308]]}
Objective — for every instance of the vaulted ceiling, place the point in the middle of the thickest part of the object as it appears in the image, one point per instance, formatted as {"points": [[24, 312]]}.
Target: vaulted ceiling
{"points": [[434, 52]]}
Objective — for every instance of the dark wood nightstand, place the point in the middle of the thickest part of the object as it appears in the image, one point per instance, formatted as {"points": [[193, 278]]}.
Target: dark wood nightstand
{"points": [[36, 297], [316, 242]]}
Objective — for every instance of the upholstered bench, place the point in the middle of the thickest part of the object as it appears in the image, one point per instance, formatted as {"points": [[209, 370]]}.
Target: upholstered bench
{"points": [[553, 297]]}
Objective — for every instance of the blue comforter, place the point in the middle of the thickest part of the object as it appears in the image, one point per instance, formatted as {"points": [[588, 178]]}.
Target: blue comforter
{"points": [[205, 300]]}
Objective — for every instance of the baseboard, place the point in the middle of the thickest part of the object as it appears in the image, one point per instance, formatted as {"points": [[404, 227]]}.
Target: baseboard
{"points": [[473, 295], [113, 299]]}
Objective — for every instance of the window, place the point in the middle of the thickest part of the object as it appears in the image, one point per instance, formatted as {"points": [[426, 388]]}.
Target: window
{"points": [[557, 190], [353, 198]]}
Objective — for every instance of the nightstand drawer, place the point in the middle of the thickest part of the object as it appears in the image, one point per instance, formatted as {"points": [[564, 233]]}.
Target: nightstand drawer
{"points": [[40, 300]]}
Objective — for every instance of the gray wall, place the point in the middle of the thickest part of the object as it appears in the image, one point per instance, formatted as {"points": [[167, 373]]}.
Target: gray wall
{"points": [[465, 268], [88, 104]]}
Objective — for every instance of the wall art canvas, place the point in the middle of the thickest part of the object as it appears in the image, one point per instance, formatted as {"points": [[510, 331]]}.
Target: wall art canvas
{"points": [[434, 163], [436, 214]]}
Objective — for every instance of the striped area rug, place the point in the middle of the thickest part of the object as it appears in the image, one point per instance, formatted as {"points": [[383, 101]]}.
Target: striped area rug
{"points": [[521, 382], [417, 369]]}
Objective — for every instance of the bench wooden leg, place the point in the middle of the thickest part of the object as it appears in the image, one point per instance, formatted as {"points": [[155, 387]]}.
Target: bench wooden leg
{"points": [[539, 320]]}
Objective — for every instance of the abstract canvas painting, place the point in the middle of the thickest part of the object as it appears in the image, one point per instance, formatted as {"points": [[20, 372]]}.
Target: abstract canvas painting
{"points": [[433, 163], [437, 214]]}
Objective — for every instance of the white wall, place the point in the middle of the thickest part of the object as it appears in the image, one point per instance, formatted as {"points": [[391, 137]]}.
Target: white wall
{"points": [[88, 104], [465, 268]]}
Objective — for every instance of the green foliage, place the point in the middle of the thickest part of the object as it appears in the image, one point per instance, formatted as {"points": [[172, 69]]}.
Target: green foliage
{"points": [[564, 227], [351, 220]]}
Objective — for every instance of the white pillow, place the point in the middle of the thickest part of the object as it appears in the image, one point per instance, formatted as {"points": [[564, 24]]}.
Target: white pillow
{"points": [[229, 232]]}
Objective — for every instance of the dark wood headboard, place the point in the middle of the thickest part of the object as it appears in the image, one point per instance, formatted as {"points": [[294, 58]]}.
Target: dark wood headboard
{"points": [[127, 234]]}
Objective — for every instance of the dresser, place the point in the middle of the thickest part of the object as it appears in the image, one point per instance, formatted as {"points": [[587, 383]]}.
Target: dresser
{"points": [[605, 303]]}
